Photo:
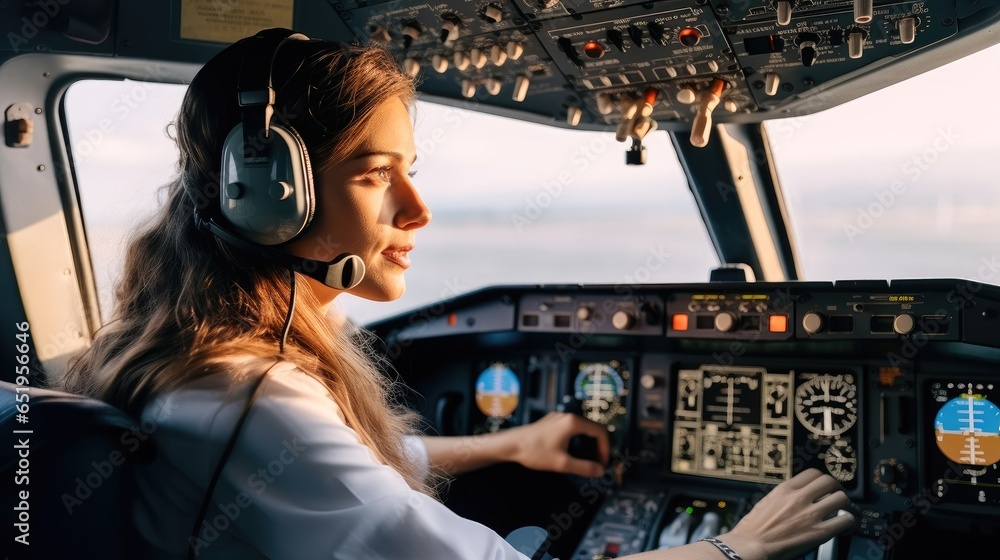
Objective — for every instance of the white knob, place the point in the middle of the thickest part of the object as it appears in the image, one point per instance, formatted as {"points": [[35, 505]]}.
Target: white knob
{"points": [[812, 322], [573, 115], [468, 89], [411, 31], [725, 321], [584, 313], [907, 30], [605, 104], [713, 66], [903, 324], [623, 320], [279, 190], [671, 71], [478, 57], [498, 55], [493, 13], [449, 31], [521, 83], [863, 11], [461, 61], [771, 83], [730, 105], [440, 63], [493, 85], [687, 95], [411, 66], [381, 35], [515, 50], [691, 69], [856, 44], [784, 12]]}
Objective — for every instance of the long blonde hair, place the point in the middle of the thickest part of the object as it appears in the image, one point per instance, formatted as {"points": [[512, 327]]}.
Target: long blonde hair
{"points": [[187, 303]]}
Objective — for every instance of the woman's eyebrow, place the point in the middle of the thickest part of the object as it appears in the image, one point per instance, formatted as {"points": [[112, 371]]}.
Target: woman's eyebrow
{"points": [[395, 155]]}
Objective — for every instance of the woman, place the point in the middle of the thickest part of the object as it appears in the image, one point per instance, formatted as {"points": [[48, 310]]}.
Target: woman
{"points": [[275, 431]]}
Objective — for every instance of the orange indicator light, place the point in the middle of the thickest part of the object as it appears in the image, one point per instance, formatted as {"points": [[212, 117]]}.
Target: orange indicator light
{"points": [[778, 323], [679, 322]]}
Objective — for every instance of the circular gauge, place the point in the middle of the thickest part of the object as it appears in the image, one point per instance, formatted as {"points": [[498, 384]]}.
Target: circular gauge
{"points": [[967, 429], [599, 387], [827, 405], [841, 461], [497, 391]]}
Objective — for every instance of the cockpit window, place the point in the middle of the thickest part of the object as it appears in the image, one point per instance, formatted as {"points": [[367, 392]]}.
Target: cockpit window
{"points": [[897, 184], [513, 202], [122, 153]]}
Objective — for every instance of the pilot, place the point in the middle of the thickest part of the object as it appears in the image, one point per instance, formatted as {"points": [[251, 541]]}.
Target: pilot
{"points": [[276, 428]]}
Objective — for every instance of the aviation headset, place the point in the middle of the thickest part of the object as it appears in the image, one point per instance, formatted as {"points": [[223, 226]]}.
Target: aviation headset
{"points": [[266, 199], [266, 195]]}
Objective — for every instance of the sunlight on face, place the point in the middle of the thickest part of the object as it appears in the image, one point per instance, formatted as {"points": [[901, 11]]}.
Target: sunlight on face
{"points": [[367, 206]]}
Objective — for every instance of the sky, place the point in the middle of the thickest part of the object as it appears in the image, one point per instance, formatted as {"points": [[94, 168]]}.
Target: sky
{"points": [[896, 184]]}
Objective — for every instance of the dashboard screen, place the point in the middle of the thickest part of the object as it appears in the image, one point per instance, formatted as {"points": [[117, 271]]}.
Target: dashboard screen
{"points": [[733, 422], [965, 455], [761, 425], [498, 393], [601, 388]]}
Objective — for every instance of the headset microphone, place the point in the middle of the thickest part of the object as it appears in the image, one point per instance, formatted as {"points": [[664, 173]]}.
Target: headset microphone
{"points": [[344, 272]]}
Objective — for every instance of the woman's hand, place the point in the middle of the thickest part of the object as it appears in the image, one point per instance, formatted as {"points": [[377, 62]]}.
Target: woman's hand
{"points": [[543, 445], [792, 519]]}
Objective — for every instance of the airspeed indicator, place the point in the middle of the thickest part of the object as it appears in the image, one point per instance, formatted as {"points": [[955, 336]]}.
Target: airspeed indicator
{"points": [[827, 405]]}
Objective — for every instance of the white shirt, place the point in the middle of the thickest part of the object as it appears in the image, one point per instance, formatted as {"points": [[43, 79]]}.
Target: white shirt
{"points": [[299, 483]]}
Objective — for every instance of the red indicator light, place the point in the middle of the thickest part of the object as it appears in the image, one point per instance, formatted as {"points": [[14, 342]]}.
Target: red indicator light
{"points": [[778, 323], [593, 49], [650, 96], [679, 322], [452, 320], [689, 36]]}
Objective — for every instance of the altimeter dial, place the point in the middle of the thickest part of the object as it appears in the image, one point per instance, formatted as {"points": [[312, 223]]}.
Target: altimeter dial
{"points": [[827, 405]]}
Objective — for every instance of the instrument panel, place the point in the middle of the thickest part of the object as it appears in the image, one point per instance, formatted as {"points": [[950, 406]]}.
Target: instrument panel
{"points": [[714, 393]]}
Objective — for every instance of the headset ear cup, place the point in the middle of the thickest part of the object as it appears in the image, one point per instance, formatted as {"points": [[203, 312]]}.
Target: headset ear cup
{"points": [[266, 188]]}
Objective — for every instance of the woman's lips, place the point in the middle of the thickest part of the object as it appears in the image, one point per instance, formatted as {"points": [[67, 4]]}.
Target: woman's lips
{"points": [[399, 255]]}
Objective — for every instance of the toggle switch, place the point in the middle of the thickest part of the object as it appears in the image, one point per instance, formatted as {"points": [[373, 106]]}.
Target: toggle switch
{"points": [[605, 104], [629, 112], [856, 42], [730, 105], [567, 47], [784, 12], [515, 50], [410, 34], [642, 127], [381, 35], [863, 11], [493, 13], [477, 57], [686, 95], [461, 60], [493, 85], [807, 43], [701, 128], [616, 38], [440, 63], [635, 34], [771, 83], [498, 55], [657, 33], [468, 89], [449, 31], [521, 84], [573, 115], [907, 30], [412, 67]]}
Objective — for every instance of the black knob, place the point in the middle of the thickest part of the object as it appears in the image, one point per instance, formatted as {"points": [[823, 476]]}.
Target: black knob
{"points": [[635, 34], [886, 474], [616, 38], [808, 56]]}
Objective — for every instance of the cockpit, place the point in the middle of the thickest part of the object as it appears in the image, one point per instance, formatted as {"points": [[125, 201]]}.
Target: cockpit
{"points": [[689, 320]]}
